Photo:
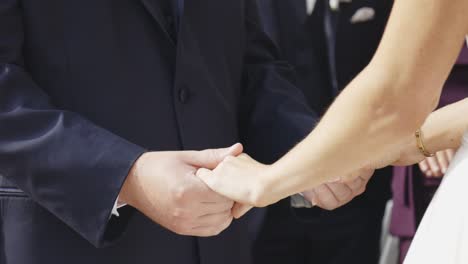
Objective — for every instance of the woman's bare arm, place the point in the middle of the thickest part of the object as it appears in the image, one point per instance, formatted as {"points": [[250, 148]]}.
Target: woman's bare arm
{"points": [[380, 110]]}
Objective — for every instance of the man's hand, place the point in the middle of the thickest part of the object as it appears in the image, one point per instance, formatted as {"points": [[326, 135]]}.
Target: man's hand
{"points": [[437, 166], [333, 195], [163, 186]]}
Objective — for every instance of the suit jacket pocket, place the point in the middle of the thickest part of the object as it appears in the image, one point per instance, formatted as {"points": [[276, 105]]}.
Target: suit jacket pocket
{"points": [[11, 192]]}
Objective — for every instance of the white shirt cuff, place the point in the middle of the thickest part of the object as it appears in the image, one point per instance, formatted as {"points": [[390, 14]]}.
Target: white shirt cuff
{"points": [[117, 205]]}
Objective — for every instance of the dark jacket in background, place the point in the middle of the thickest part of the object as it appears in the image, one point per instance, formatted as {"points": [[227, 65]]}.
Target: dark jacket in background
{"points": [[327, 51]]}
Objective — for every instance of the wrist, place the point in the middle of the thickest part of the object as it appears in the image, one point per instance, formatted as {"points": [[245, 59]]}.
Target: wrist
{"points": [[275, 185], [435, 136], [420, 143], [126, 195], [263, 192]]}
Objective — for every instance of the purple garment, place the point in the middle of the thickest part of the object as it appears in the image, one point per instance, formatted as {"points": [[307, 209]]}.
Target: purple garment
{"points": [[411, 190], [403, 222], [463, 58]]}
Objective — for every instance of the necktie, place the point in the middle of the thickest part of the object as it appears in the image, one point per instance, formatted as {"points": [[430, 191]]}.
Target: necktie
{"points": [[179, 10], [180, 7]]}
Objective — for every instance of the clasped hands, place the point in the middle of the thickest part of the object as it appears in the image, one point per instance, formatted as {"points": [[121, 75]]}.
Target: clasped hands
{"points": [[199, 193]]}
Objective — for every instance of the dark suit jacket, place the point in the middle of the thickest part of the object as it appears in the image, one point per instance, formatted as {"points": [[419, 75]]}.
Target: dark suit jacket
{"points": [[286, 22], [87, 86], [323, 59]]}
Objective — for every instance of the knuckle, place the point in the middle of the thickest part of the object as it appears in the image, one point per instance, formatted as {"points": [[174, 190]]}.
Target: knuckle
{"points": [[176, 213], [179, 213], [180, 193]]}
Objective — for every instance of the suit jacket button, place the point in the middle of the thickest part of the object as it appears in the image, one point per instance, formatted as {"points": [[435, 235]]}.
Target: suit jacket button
{"points": [[183, 95]]}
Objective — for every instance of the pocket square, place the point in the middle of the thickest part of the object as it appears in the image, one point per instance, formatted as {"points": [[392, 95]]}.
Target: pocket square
{"points": [[310, 6], [363, 15], [335, 4]]}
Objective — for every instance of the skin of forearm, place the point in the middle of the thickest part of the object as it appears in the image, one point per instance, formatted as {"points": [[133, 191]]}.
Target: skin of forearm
{"points": [[445, 127]]}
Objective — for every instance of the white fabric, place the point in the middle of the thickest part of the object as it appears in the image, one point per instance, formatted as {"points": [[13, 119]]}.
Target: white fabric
{"points": [[362, 15], [442, 236], [335, 4], [310, 4], [117, 205], [389, 250]]}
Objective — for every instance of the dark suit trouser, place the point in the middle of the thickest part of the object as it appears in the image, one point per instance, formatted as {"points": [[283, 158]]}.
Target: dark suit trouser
{"points": [[300, 236]]}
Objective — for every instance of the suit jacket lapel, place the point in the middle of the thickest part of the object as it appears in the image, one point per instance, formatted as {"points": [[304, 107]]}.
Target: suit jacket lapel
{"points": [[299, 9], [291, 21], [155, 11]]}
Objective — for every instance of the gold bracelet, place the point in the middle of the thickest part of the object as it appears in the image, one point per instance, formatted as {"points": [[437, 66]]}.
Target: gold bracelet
{"points": [[420, 144]]}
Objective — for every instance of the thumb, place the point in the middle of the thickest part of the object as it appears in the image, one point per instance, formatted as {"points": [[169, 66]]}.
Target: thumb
{"points": [[210, 158], [205, 175], [239, 210]]}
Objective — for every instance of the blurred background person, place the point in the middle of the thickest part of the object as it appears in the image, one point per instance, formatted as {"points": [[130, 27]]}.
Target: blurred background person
{"points": [[328, 45], [414, 186]]}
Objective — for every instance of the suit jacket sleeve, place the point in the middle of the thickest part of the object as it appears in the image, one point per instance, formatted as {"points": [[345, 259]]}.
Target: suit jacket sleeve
{"points": [[69, 166], [275, 113]]}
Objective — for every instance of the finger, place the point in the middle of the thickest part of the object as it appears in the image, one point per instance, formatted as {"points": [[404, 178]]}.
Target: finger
{"points": [[214, 219], [206, 176], [204, 209], [358, 192], [342, 192], [203, 180], [366, 175], [325, 198], [356, 184], [207, 231], [442, 161], [240, 210], [433, 166], [424, 166], [450, 153], [310, 196], [210, 158]]}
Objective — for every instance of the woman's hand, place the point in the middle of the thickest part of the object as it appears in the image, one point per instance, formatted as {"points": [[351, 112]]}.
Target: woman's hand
{"points": [[241, 179], [437, 166]]}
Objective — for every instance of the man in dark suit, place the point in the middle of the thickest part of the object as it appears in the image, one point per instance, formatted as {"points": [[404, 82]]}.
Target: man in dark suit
{"points": [[96, 95], [327, 48]]}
